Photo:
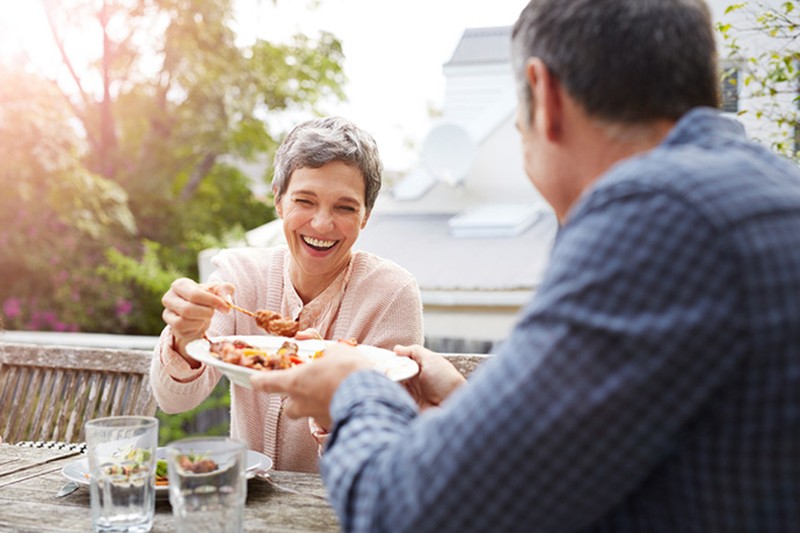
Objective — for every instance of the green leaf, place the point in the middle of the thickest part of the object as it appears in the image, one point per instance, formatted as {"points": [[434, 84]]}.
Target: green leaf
{"points": [[733, 7]]}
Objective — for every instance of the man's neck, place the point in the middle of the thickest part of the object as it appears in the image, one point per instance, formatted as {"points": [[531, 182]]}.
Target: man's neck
{"points": [[603, 145]]}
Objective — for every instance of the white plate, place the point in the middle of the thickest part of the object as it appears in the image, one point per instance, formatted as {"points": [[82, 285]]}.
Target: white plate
{"points": [[78, 471], [392, 365]]}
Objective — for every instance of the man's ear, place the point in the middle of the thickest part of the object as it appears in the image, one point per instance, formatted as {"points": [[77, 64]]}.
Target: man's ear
{"points": [[366, 217], [546, 96]]}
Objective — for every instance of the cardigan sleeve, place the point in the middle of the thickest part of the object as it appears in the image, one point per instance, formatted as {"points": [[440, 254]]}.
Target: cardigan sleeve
{"points": [[176, 386]]}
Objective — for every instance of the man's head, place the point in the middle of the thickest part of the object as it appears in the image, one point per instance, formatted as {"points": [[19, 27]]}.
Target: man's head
{"points": [[601, 80], [629, 61]]}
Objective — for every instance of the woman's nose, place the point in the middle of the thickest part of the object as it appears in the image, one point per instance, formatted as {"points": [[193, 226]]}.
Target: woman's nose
{"points": [[322, 221]]}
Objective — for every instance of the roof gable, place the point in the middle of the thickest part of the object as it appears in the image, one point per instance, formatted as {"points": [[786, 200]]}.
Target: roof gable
{"points": [[482, 46]]}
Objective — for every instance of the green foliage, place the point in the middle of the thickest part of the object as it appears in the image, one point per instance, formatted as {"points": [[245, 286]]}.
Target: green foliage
{"points": [[116, 178], [215, 408], [761, 40]]}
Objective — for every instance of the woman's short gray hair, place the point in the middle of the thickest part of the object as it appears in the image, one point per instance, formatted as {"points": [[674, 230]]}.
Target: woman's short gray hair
{"points": [[314, 143]]}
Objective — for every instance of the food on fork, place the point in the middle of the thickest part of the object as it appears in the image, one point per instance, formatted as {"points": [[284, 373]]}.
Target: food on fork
{"points": [[270, 321], [276, 324]]}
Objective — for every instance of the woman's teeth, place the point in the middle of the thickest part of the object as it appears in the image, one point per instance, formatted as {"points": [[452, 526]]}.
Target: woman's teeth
{"points": [[318, 243]]}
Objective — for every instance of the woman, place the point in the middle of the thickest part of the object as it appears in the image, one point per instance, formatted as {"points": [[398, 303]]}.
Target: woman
{"points": [[327, 177]]}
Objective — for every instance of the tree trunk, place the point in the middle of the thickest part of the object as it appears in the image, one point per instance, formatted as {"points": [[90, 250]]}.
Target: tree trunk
{"points": [[108, 136], [200, 172]]}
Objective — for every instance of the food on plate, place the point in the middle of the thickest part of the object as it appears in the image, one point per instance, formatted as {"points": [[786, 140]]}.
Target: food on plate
{"points": [[162, 478], [238, 352], [197, 464], [276, 324]]}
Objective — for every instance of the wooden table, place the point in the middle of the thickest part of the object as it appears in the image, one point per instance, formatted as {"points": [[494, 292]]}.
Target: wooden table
{"points": [[28, 500]]}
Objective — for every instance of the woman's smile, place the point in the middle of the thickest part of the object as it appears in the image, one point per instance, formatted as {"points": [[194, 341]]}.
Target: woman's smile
{"points": [[320, 245]]}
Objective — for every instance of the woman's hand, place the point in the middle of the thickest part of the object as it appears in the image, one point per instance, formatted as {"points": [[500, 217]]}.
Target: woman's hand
{"points": [[188, 308], [437, 377], [308, 334]]}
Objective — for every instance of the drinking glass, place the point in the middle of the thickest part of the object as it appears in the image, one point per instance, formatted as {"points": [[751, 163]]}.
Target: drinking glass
{"points": [[207, 485], [122, 466]]}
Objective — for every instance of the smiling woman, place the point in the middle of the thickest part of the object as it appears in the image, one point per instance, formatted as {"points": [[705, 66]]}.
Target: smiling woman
{"points": [[327, 178]]}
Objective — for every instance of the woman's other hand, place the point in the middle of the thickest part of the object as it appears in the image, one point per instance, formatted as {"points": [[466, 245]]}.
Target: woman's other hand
{"points": [[308, 334]]}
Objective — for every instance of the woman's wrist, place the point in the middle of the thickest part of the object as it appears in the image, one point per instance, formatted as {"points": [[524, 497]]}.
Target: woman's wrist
{"points": [[178, 346]]}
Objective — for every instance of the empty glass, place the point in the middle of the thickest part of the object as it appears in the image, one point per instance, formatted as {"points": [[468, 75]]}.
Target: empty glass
{"points": [[122, 465], [207, 485]]}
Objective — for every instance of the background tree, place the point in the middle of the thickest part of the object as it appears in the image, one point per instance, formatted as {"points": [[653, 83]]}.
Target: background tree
{"points": [[762, 43], [131, 164]]}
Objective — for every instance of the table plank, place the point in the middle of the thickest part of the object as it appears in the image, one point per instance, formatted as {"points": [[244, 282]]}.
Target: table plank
{"points": [[31, 506], [21, 464]]}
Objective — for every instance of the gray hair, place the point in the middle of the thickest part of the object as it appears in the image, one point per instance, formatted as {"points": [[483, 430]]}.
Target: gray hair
{"points": [[314, 143], [623, 61]]}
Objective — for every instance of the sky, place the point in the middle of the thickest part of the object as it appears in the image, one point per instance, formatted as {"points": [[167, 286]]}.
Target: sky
{"points": [[394, 50], [394, 53]]}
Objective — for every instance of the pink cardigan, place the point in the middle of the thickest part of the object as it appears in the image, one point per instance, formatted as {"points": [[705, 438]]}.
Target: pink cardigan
{"points": [[374, 301]]}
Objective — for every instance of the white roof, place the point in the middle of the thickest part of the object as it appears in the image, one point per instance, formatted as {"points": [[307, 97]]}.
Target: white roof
{"points": [[423, 244]]}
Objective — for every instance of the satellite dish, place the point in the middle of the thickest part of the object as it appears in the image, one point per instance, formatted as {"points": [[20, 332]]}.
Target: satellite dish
{"points": [[448, 153]]}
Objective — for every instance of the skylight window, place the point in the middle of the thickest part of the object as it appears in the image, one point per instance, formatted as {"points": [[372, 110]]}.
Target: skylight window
{"points": [[494, 221]]}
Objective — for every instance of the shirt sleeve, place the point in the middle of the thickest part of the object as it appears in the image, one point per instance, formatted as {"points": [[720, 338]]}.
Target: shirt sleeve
{"points": [[586, 397]]}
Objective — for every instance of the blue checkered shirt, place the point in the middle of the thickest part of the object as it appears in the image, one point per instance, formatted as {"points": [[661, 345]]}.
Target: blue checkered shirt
{"points": [[651, 385]]}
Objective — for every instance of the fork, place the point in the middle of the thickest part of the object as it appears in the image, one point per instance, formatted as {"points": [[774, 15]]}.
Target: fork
{"points": [[241, 310], [266, 477]]}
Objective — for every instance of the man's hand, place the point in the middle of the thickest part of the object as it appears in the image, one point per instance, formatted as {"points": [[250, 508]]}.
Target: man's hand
{"points": [[437, 377], [310, 386]]}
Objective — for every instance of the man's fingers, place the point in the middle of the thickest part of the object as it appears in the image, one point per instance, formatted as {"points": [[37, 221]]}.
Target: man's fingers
{"points": [[401, 349], [279, 381], [410, 352]]}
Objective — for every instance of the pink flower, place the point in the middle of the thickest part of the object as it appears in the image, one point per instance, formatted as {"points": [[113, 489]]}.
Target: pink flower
{"points": [[12, 307], [123, 308]]}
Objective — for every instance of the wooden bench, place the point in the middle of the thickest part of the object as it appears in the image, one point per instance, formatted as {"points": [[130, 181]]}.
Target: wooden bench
{"points": [[47, 393], [466, 363]]}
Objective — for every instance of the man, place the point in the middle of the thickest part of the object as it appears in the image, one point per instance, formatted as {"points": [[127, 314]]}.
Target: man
{"points": [[653, 382]]}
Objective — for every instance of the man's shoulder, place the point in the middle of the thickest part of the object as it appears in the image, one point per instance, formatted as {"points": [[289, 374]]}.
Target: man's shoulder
{"points": [[726, 185]]}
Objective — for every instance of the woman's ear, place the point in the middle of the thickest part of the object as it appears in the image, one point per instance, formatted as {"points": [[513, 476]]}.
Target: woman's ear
{"points": [[366, 217], [278, 203]]}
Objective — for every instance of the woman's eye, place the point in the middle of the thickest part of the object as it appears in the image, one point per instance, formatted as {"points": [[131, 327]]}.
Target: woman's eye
{"points": [[302, 201], [347, 208]]}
